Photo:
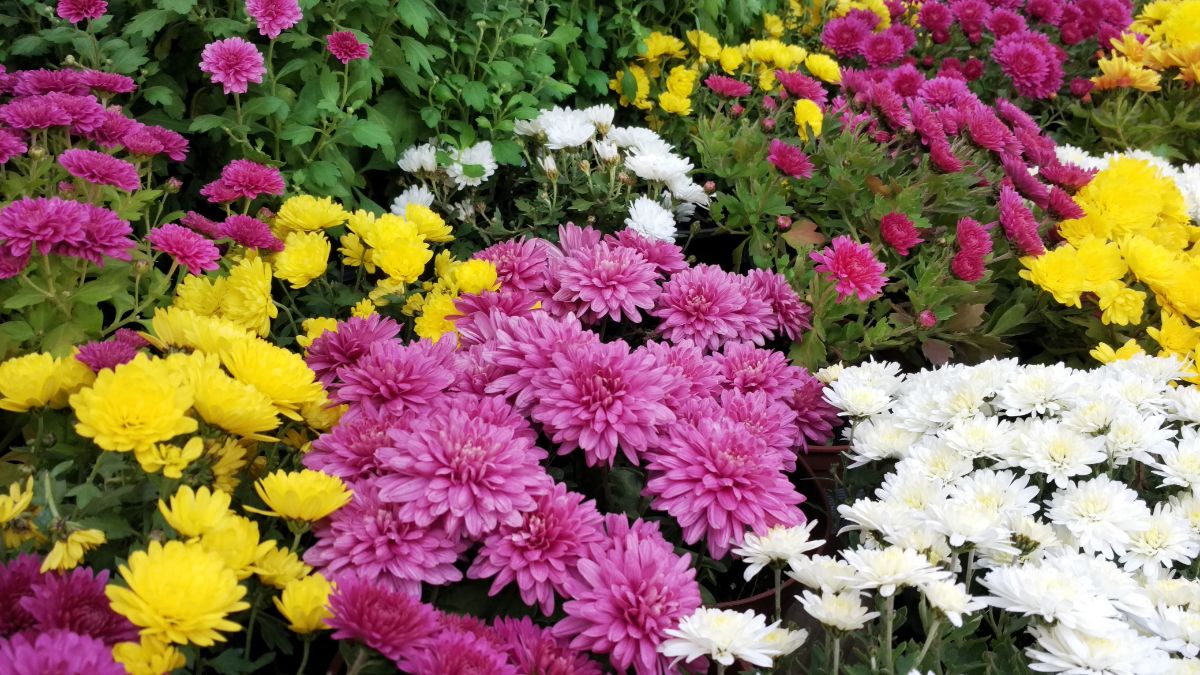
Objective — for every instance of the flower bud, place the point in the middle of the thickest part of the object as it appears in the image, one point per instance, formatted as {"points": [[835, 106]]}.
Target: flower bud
{"points": [[549, 166], [173, 185], [737, 110], [710, 187], [37, 152], [784, 223], [927, 319], [768, 124]]}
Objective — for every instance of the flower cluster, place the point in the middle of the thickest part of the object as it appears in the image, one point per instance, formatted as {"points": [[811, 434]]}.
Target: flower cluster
{"points": [[1162, 38]]}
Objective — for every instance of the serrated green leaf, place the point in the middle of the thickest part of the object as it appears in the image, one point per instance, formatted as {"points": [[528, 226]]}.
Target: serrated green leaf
{"points": [[524, 40], [431, 116], [148, 23], [475, 94], [17, 331], [297, 133], [222, 27], [415, 14], [416, 54], [98, 290], [207, 123], [507, 152], [23, 298], [565, 35], [180, 6], [29, 45], [370, 134]]}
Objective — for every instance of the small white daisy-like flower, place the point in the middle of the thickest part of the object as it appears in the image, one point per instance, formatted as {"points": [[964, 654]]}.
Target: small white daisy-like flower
{"points": [[829, 374], [606, 152], [601, 117], [1173, 591], [1092, 414], [686, 190], [1099, 515], [890, 568], [472, 166], [413, 194], [565, 128], [658, 166], [419, 158], [781, 544], [1167, 540], [922, 538], [980, 436], [549, 166], [822, 572], [652, 221], [638, 139], [1109, 647], [1039, 390], [722, 635], [952, 600], [843, 611], [786, 641], [1180, 464], [1049, 448]]}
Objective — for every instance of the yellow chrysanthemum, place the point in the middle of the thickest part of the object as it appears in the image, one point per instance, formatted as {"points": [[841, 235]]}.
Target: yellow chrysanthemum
{"points": [[322, 415], [429, 224], [1102, 262], [363, 308], [72, 375], [1152, 264], [305, 213], [304, 257], [706, 45], [472, 276], [1118, 72], [1104, 353], [773, 25], [16, 501], [315, 328], [179, 327], [228, 459], [278, 373], [1181, 28], [1130, 196], [682, 81], [138, 404], [1120, 304], [809, 119], [148, 657], [29, 381], [236, 539], [434, 321], [823, 68], [397, 247], [68, 552], [229, 404], [277, 567], [305, 604], [200, 294], [731, 59], [179, 592], [675, 104], [247, 300], [384, 290], [660, 45], [193, 512], [1176, 336], [641, 87], [1059, 271], [355, 253], [301, 495], [169, 458]]}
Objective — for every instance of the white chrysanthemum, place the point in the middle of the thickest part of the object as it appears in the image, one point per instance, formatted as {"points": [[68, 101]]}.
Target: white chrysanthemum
{"points": [[722, 635], [1180, 464], [952, 600], [463, 210], [1158, 371], [684, 211], [606, 152], [843, 611], [890, 568], [877, 516], [658, 166], [786, 641], [830, 374], [1032, 536], [1099, 515], [1188, 181], [964, 524], [1167, 539], [1186, 505], [912, 489], [1039, 390], [1092, 414], [964, 398], [548, 166], [1133, 436], [1146, 395], [1108, 580], [601, 117], [883, 375], [1176, 591], [686, 190], [937, 460], [880, 437], [1052, 594], [781, 544], [527, 128], [1003, 493], [638, 139], [652, 221], [1179, 626], [922, 538], [823, 573], [419, 158], [1049, 448], [1112, 648], [1183, 404], [980, 437], [413, 194], [857, 399], [1069, 154], [565, 128], [473, 165]]}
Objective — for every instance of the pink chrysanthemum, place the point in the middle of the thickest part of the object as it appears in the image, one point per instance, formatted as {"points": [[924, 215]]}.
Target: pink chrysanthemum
{"points": [[109, 83], [599, 397], [100, 169], [987, 131], [46, 81], [606, 281], [274, 16], [1003, 21], [533, 649], [41, 224], [250, 232], [368, 539], [475, 314], [1026, 183], [746, 368], [10, 265], [941, 92], [12, 144], [727, 86], [792, 316], [802, 86], [706, 305], [1020, 226], [666, 256], [348, 450], [395, 377], [1062, 206], [390, 622], [202, 224], [85, 112], [59, 652], [523, 350], [768, 421], [75, 601], [693, 375], [1030, 61], [185, 247], [789, 159], [122, 348], [846, 35], [346, 47], [463, 473], [541, 552], [244, 179], [898, 231], [852, 266], [520, 263], [81, 10], [105, 235], [882, 49], [17, 577], [112, 129], [33, 112], [717, 481], [352, 340], [455, 652], [626, 597], [233, 63], [974, 244]]}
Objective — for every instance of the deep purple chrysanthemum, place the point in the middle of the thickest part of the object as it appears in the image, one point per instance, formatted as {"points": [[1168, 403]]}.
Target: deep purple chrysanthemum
{"points": [[520, 263], [274, 16], [17, 577], [704, 304], [75, 601], [250, 232], [244, 179], [232, 63], [1020, 226], [346, 47], [100, 169], [792, 316], [352, 340], [122, 348], [1026, 183], [466, 474], [57, 652], [523, 350], [541, 551], [626, 597], [41, 223], [898, 231], [533, 649], [936, 18], [187, 248], [600, 396], [33, 112], [81, 10], [392, 376], [367, 538], [12, 144], [789, 159], [108, 83], [85, 112], [46, 81], [453, 652], [390, 622], [727, 86], [112, 129], [606, 281], [852, 266]]}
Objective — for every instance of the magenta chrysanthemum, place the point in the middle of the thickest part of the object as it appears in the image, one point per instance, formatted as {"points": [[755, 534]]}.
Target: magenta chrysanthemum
{"points": [[368, 539], [17, 577], [46, 81], [1030, 61], [249, 232], [81, 10], [898, 231], [475, 314], [348, 450], [395, 377], [233, 63], [112, 129], [846, 35], [59, 652], [727, 86], [12, 144], [852, 266], [882, 49], [390, 622], [708, 306], [85, 112], [599, 397], [187, 248], [666, 256], [466, 474], [33, 112], [626, 596], [541, 552], [100, 169], [244, 179], [41, 224], [202, 224], [789, 159], [717, 481], [768, 421], [606, 281], [1061, 205], [792, 316], [746, 368], [533, 649], [10, 265], [1020, 226], [122, 348], [75, 601], [109, 83], [349, 343], [802, 86], [520, 263], [693, 375], [274, 16], [346, 47], [105, 235], [974, 243], [453, 652], [523, 349]]}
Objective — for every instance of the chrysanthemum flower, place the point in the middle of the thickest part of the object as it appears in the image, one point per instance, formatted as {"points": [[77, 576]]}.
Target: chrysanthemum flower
{"points": [[780, 544], [305, 495], [247, 300], [724, 635], [60, 652], [305, 213], [187, 248], [191, 513], [69, 551], [707, 305], [606, 281], [351, 341], [394, 377], [169, 458], [278, 373], [233, 63], [890, 568], [387, 621], [243, 179], [852, 266], [898, 231], [236, 539], [304, 258], [249, 232], [727, 86], [665, 255], [277, 567], [747, 368], [179, 592], [76, 11], [274, 16], [843, 611], [75, 601], [346, 47], [133, 406], [150, 656], [122, 348], [533, 649], [456, 651], [789, 159], [41, 223], [792, 316], [305, 604], [99, 168]]}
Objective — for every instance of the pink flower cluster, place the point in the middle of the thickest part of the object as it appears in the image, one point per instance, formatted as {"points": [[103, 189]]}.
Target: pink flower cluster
{"points": [[56, 226]]}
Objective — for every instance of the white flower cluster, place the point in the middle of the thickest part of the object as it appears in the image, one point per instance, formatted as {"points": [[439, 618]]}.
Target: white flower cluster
{"points": [[1186, 177], [1064, 495], [469, 167]]}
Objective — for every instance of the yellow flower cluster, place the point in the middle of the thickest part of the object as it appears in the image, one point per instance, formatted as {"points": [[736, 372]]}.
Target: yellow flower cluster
{"points": [[40, 380], [242, 299], [434, 307], [1165, 36], [1134, 240]]}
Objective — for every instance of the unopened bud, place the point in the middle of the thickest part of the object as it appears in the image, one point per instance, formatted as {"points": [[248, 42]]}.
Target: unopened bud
{"points": [[173, 185], [768, 124], [710, 187], [737, 110], [784, 223], [927, 319], [37, 152]]}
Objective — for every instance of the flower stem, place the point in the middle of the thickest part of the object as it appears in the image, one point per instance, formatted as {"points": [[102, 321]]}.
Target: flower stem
{"points": [[837, 654], [778, 593], [889, 606], [250, 624], [933, 632], [304, 657], [360, 660], [48, 485]]}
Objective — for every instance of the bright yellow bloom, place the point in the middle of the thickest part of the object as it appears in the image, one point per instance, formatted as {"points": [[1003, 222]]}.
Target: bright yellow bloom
{"points": [[229, 458], [1059, 271], [305, 213], [384, 289], [278, 567], [72, 375], [194, 512], [247, 300], [304, 257], [809, 118], [236, 539], [322, 415], [682, 81], [767, 79], [1117, 72], [397, 247], [278, 373], [138, 404], [200, 294], [1102, 261], [773, 25], [641, 87], [16, 501], [354, 253], [29, 381], [1150, 263], [1104, 353], [305, 604], [429, 224], [179, 592], [1181, 28], [707, 45], [301, 495], [231, 405], [731, 59], [148, 657], [68, 553], [168, 458], [660, 45], [315, 328], [876, 7], [1120, 304], [363, 308], [765, 52], [675, 104], [178, 327], [472, 276], [434, 321], [823, 68], [1176, 336]]}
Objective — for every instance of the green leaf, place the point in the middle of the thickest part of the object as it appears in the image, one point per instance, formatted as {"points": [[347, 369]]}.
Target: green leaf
{"points": [[475, 94], [297, 133], [180, 6], [221, 27], [322, 173], [414, 14], [565, 35], [23, 298], [524, 40], [371, 134], [62, 338], [507, 152], [416, 54], [28, 45], [17, 331], [99, 290], [207, 123], [83, 494], [473, 170], [431, 116], [148, 23], [261, 106]]}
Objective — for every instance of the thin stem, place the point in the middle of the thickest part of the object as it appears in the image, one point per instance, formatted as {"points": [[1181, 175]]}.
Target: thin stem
{"points": [[970, 568], [778, 593], [304, 657], [933, 632], [720, 669], [837, 654], [889, 606], [49, 490], [296, 540], [360, 661], [250, 624]]}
